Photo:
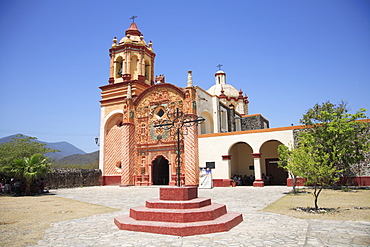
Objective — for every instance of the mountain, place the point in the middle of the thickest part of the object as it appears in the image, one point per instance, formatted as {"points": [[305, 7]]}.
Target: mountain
{"points": [[79, 160], [66, 149]]}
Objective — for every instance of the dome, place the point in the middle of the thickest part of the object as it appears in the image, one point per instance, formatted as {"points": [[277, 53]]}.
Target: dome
{"points": [[127, 40], [132, 33], [228, 89], [132, 38]]}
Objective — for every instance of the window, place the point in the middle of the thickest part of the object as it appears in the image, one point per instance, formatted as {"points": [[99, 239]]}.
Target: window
{"points": [[160, 113]]}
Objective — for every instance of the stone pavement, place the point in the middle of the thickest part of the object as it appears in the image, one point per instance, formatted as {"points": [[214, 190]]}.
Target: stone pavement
{"points": [[257, 229]]}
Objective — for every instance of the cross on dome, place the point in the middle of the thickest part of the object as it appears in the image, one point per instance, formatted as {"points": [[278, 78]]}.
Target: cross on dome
{"points": [[219, 66]]}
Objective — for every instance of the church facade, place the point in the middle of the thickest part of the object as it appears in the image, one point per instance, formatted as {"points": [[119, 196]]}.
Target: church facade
{"points": [[135, 148]]}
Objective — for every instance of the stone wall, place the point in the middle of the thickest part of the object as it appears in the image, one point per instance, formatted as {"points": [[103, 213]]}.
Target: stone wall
{"points": [[254, 122], [71, 178], [354, 170]]}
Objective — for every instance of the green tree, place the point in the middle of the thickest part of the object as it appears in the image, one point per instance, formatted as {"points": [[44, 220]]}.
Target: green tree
{"points": [[337, 136], [286, 162], [20, 147], [28, 168], [316, 173], [333, 140]]}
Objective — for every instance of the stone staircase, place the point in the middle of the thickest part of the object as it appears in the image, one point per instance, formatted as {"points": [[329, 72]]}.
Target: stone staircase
{"points": [[179, 212]]}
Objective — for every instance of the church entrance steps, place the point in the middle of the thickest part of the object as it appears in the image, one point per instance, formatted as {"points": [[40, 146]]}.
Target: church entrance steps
{"points": [[210, 212], [193, 203], [179, 212], [222, 224]]}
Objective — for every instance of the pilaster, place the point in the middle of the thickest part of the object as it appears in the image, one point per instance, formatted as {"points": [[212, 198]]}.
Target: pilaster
{"points": [[191, 156], [258, 182], [128, 153]]}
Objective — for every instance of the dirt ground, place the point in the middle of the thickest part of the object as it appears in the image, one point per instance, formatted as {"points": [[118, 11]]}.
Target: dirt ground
{"points": [[353, 205], [24, 219]]}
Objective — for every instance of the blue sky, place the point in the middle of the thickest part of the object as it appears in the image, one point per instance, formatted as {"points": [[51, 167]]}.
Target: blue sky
{"points": [[285, 55]]}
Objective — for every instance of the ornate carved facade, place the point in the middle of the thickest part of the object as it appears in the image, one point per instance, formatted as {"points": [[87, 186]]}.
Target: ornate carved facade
{"points": [[134, 151]]}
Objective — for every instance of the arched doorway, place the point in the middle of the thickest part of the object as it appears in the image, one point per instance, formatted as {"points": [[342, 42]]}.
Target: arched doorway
{"points": [[206, 127], [241, 162], [274, 175], [160, 171]]}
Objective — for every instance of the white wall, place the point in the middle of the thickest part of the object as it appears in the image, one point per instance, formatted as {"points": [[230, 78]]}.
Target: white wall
{"points": [[212, 147]]}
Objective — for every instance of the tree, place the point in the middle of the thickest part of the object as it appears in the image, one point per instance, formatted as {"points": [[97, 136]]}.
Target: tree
{"points": [[333, 140], [28, 168], [309, 167], [336, 136], [287, 163], [20, 147]]}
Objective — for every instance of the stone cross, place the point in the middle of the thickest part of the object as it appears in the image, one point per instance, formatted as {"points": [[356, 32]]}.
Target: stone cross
{"points": [[177, 120]]}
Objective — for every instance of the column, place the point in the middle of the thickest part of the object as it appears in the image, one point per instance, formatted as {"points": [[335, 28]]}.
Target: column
{"points": [[111, 66], [258, 182], [128, 154], [142, 65], [191, 156], [126, 69]]}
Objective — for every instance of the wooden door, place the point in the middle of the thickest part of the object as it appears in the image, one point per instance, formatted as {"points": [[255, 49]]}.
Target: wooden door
{"points": [[279, 175]]}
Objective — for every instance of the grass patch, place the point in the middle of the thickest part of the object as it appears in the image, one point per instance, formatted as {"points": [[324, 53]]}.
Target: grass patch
{"points": [[353, 205], [23, 220]]}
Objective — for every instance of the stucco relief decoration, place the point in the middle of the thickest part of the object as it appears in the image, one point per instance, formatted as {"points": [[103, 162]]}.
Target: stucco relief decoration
{"points": [[153, 109], [142, 112], [176, 103], [159, 97], [142, 168], [158, 117], [188, 102], [142, 132], [125, 112]]}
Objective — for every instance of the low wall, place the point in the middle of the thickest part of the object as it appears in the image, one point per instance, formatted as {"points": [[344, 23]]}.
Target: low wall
{"points": [[345, 181], [221, 182], [355, 181], [298, 182], [111, 180], [71, 178]]}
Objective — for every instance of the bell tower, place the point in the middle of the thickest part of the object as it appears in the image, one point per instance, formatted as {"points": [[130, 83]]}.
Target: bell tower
{"points": [[131, 72], [131, 58]]}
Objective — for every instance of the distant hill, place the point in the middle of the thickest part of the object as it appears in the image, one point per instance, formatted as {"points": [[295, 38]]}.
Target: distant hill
{"points": [[79, 161], [66, 149]]}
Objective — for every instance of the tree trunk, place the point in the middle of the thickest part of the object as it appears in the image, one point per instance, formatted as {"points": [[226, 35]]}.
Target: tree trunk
{"points": [[316, 206], [316, 194], [294, 180], [28, 188]]}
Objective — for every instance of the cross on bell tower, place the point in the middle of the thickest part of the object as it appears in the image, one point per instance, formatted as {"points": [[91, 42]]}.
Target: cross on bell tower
{"points": [[133, 18]]}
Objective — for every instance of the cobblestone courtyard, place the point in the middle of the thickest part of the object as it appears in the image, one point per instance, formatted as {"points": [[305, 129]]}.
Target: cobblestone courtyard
{"points": [[257, 229]]}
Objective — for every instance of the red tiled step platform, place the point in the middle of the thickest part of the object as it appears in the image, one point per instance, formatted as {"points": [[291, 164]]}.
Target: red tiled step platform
{"points": [[179, 212]]}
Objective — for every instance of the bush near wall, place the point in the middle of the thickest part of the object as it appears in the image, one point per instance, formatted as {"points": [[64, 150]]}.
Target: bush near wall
{"points": [[72, 178]]}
